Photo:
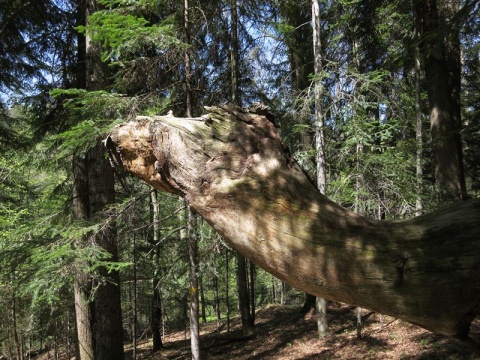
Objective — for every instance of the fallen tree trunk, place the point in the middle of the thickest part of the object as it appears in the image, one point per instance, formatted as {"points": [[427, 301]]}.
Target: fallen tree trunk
{"points": [[230, 165]]}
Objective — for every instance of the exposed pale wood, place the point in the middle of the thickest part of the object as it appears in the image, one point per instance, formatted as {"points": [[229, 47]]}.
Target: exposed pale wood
{"points": [[230, 165]]}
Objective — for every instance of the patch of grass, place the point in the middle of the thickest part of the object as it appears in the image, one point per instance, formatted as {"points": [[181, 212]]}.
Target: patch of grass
{"points": [[424, 342]]}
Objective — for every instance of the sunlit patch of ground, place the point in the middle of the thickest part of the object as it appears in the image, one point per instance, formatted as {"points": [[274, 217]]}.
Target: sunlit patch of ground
{"points": [[282, 334]]}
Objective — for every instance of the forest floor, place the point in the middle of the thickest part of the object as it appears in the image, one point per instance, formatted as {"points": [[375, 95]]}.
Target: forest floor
{"points": [[282, 334]]}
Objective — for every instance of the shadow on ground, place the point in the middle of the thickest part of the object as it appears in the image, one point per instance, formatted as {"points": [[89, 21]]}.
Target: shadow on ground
{"points": [[281, 333]]}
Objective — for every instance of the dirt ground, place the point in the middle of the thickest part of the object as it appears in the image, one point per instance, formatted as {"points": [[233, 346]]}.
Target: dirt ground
{"points": [[282, 334]]}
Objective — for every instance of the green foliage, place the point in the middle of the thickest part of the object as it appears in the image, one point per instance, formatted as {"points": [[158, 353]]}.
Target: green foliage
{"points": [[92, 114], [284, 28], [124, 35]]}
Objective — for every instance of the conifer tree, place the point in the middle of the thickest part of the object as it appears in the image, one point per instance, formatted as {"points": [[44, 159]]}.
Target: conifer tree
{"points": [[97, 296], [440, 47]]}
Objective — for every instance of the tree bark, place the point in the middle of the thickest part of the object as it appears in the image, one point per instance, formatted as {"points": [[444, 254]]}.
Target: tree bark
{"points": [[97, 305], [108, 327], [217, 301], [234, 69], [231, 166], [203, 305], [252, 291], [441, 50], [134, 300], [320, 304], [193, 262], [241, 273], [156, 300], [227, 289], [308, 303], [82, 284], [192, 217], [15, 327], [243, 298], [418, 125]]}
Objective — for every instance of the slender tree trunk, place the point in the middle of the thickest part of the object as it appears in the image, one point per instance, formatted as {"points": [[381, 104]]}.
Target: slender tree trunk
{"points": [[156, 316], [320, 304], [67, 336], [156, 305], [192, 220], [13, 309], [243, 296], [75, 331], [84, 346], [359, 322], [227, 288], [243, 301], [282, 292], [217, 301], [55, 341], [235, 97], [194, 310], [188, 67], [418, 125], [202, 300], [9, 343], [84, 317], [359, 183], [242, 288], [274, 296], [134, 300], [252, 290]]}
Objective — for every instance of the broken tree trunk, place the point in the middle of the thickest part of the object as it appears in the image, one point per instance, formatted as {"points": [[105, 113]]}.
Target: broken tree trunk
{"points": [[231, 167]]}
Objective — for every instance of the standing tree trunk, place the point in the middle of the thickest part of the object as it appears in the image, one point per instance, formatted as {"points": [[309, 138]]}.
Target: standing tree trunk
{"points": [[193, 260], [156, 316], [82, 284], [242, 288], [308, 304], [359, 183], [440, 48], [227, 288], [107, 326], [156, 301], [231, 166], [217, 301], [13, 309], [134, 300], [243, 301], [252, 291], [297, 14], [192, 221], [418, 124], [203, 310], [234, 70], [320, 303], [156, 320], [99, 321]]}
